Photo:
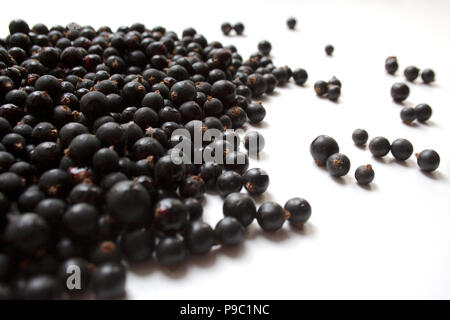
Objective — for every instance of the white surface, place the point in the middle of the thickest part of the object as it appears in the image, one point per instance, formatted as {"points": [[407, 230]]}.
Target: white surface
{"points": [[391, 241]]}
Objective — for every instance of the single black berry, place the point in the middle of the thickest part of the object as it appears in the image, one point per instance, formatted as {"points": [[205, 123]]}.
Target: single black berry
{"points": [[271, 216], [171, 251], [229, 232], [408, 115], [411, 73], [241, 207], [427, 75], [256, 181], [329, 49], [379, 147], [399, 91], [364, 174], [322, 147], [300, 76], [291, 23], [401, 149], [360, 137], [391, 65], [423, 112], [321, 87], [299, 211], [428, 160], [338, 164]]}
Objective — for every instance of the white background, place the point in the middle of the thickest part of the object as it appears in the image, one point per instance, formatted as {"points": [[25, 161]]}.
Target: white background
{"points": [[389, 241]]}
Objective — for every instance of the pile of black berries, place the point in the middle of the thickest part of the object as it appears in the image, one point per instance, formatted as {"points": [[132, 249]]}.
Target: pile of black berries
{"points": [[87, 175], [238, 27], [330, 89]]}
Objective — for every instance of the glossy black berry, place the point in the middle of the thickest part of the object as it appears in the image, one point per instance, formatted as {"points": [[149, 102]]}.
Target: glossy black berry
{"points": [[428, 160], [108, 281], [239, 28], [264, 47], [11, 184], [329, 49], [167, 172], [257, 84], [298, 211], [238, 116], [44, 131], [105, 161], [300, 76], [46, 155], [39, 104], [322, 147], [291, 23], [81, 220], [170, 214], [49, 84], [171, 251], [391, 65], [128, 202], [364, 174], [82, 148], [271, 216], [192, 187], [408, 115], [399, 91], [18, 25], [226, 28], [379, 147], [255, 112], [401, 149], [194, 208], [199, 237], [360, 137], [27, 233], [256, 181], [333, 92], [241, 207], [338, 164], [411, 73], [70, 131], [229, 232], [137, 245], [52, 210], [427, 75], [321, 87], [182, 91], [423, 112], [229, 182]]}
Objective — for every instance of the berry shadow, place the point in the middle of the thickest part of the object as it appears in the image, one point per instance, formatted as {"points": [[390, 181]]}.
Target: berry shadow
{"points": [[266, 196], [277, 236], [406, 163], [261, 125], [411, 124], [430, 123], [383, 160], [404, 103], [345, 180], [363, 147], [368, 187], [305, 230], [436, 175]]}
